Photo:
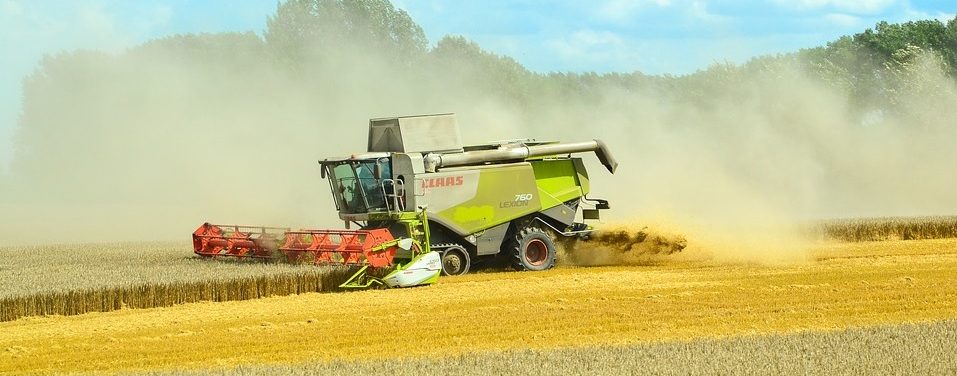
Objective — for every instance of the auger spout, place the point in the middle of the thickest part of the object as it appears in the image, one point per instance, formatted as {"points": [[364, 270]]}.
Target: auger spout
{"points": [[519, 152]]}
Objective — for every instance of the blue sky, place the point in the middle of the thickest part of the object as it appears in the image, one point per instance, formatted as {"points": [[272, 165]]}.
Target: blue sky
{"points": [[653, 36]]}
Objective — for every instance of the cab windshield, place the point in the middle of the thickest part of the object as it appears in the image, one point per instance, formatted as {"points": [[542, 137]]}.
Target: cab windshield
{"points": [[356, 187]]}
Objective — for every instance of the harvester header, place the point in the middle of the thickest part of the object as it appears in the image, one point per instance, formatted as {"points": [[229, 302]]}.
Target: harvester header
{"points": [[425, 204]]}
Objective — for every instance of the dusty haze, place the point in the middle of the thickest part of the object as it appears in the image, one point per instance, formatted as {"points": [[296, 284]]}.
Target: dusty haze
{"points": [[148, 144]]}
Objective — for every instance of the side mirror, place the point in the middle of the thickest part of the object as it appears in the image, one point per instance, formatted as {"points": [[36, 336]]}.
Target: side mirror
{"points": [[380, 169], [602, 204]]}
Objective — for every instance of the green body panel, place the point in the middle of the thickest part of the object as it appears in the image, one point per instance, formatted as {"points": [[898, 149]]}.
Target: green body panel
{"points": [[487, 197], [557, 180], [475, 199], [582, 175]]}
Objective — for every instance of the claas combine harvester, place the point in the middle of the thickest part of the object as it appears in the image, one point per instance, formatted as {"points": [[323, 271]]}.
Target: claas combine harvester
{"points": [[426, 205]]}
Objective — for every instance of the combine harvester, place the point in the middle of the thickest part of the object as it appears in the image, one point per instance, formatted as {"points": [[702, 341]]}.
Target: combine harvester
{"points": [[424, 204]]}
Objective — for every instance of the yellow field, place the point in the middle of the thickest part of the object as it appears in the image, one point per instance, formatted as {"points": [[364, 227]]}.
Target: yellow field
{"points": [[857, 284]]}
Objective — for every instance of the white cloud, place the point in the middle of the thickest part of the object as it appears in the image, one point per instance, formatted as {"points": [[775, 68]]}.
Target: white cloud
{"points": [[843, 20], [620, 10], [160, 16], [699, 11], [95, 19], [914, 14], [591, 50], [696, 13], [583, 43], [850, 6]]}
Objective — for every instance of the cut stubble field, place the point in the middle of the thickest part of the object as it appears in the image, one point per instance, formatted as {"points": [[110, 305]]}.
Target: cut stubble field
{"points": [[845, 285], [918, 349]]}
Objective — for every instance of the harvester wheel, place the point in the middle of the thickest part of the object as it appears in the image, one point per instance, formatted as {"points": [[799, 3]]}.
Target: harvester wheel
{"points": [[532, 249], [455, 260]]}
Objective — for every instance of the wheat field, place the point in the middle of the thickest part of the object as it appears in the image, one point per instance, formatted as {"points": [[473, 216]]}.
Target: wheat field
{"points": [[844, 285], [73, 279], [889, 228], [30, 270], [76, 279]]}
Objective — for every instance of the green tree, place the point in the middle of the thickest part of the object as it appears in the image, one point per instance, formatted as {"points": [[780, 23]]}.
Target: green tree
{"points": [[885, 39], [464, 60], [950, 44], [303, 30]]}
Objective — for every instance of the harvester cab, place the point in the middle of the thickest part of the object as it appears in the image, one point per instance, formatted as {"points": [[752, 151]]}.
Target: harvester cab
{"points": [[361, 185], [423, 204]]}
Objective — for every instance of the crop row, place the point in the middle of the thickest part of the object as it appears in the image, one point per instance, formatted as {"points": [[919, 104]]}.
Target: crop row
{"points": [[151, 295], [32, 270], [891, 228]]}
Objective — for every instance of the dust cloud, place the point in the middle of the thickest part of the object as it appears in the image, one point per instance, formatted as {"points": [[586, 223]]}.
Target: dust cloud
{"points": [[618, 244], [653, 241], [741, 175], [149, 143]]}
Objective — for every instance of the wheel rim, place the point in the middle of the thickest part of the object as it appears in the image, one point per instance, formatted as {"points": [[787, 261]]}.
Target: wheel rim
{"points": [[536, 252], [452, 262]]}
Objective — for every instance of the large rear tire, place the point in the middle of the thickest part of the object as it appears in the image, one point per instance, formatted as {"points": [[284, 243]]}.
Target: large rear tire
{"points": [[532, 249]]}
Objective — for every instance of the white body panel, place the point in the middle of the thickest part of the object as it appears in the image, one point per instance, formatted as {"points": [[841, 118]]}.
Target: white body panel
{"points": [[423, 269]]}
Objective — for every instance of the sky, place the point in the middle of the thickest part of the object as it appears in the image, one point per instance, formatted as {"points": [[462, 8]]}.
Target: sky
{"points": [[651, 36]]}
